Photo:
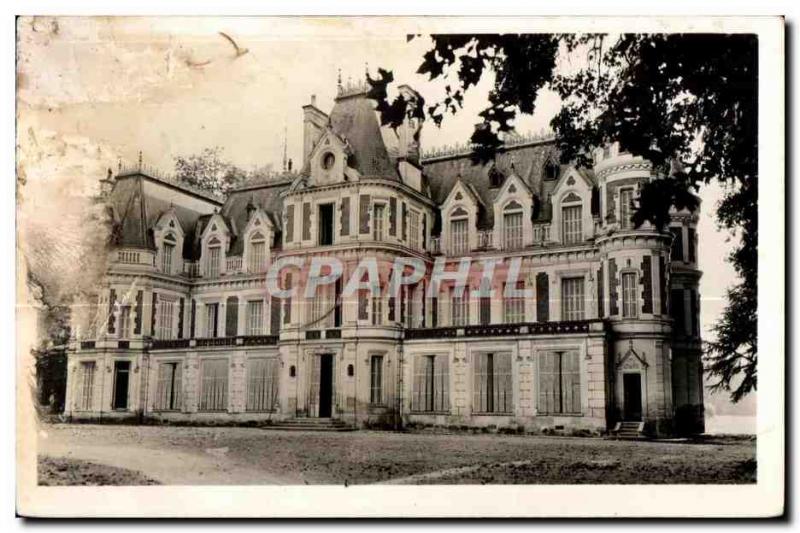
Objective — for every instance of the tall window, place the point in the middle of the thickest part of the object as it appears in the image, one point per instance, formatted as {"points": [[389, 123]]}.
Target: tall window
{"points": [[255, 317], [413, 229], [167, 250], [514, 306], [262, 384], [512, 231], [431, 386], [625, 208], [257, 258], [629, 299], [212, 268], [86, 390], [166, 316], [459, 308], [322, 312], [377, 308], [458, 237], [571, 225], [211, 319], [559, 383], [168, 390], [214, 385], [377, 222], [376, 380], [493, 383], [572, 299], [124, 322]]}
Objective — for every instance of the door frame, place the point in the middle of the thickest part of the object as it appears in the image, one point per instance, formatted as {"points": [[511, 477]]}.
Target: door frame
{"points": [[114, 386], [642, 394]]}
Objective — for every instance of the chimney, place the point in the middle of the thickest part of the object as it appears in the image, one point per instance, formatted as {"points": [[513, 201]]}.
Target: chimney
{"points": [[409, 132], [314, 122]]}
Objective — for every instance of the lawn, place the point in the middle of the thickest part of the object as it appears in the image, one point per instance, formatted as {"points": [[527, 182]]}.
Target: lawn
{"points": [[233, 455]]}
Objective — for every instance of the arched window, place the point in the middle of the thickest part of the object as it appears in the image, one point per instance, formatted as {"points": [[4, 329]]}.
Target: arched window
{"points": [[214, 257], [459, 231], [571, 219], [167, 252], [512, 226], [551, 170], [257, 254]]}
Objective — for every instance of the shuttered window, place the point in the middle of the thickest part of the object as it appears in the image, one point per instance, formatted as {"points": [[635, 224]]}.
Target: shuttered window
{"points": [[512, 231], [124, 322], [86, 387], [626, 208], [413, 229], [559, 383], [629, 294], [255, 317], [211, 319], [166, 316], [377, 222], [514, 306], [458, 237], [572, 299], [289, 229], [322, 307], [166, 257], [257, 258], [212, 267], [376, 380], [431, 386], [262, 384], [493, 384], [459, 308], [571, 225], [214, 385], [169, 387], [377, 309]]}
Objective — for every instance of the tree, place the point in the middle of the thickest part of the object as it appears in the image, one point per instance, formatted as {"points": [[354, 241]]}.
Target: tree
{"points": [[208, 171], [686, 102]]}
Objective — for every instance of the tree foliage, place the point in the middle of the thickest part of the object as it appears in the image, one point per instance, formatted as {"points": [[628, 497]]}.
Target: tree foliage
{"points": [[686, 102], [208, 171]]}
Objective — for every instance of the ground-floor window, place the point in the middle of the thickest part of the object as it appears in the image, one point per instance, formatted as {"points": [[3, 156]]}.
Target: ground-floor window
{"points": [[376, 380], [431, 390], [493, 384], [168, 389], [262, 384], [86, 385], [214, 385], [559, 382]]}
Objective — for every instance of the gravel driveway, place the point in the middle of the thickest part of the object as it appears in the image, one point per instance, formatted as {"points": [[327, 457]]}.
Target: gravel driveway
{"points": [[242, 456]]}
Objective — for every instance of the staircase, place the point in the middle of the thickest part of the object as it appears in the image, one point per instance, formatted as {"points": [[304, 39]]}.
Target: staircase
{"points": [[628, 430], [309, 424]]}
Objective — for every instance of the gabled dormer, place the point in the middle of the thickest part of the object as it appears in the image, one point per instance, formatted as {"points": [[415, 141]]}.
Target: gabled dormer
{"points": [[572, 221], [168, 237], [257, 236], [214, 243], [328, 161], [513, 208], [459, 219]]}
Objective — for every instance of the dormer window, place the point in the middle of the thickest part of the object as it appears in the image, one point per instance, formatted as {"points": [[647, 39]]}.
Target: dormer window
{"points": [[512, 226], [257, 256], [551, 170], [459, 232], [328, 161], [496, 177], [167, 251], [571, 219], [214, 256]]}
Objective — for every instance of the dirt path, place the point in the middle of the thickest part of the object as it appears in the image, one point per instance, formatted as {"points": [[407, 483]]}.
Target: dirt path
{"points": [[213, 466]]}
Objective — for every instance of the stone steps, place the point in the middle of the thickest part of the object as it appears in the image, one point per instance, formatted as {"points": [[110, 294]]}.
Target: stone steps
{"points": [[310, 424], [628, 430]]}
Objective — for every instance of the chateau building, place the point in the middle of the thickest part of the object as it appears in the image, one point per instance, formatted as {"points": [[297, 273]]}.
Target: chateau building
{"points": [[188, 330]]}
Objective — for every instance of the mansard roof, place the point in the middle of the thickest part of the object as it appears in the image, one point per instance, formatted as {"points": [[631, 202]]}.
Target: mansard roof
{"points": [[353, 118], [136, 207], [266, 195]]}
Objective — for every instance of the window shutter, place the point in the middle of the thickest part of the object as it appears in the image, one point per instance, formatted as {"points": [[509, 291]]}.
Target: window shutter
{"points": [[177, 387], [137, 324], [479, 383], [345, 207], [231, 316], [112, 298], [180, 319], [289, 223], [417, 402], [662, 283], [192, 319], [363, 301], [393, 216], [434, 312], [613, 282], [647, 284], [442, 382], [600, 292], [287, 302], [363, 214], [424, 231], [542, 297], [403, 223], [306, 221], [391, 308], [153, 309], [690, 241], [274, 315]]}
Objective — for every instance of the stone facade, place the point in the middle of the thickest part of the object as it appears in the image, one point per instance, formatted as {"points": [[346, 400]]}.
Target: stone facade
{"points": [[186, 329]]}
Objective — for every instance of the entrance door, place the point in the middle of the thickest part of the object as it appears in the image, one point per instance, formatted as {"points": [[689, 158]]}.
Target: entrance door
{"points": [[325, 385], [632, 389], [122, 371]]}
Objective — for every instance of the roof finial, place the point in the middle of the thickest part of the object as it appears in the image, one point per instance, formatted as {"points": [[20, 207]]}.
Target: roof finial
{"points": [[339, 82], [512, 162], [140, 160]]}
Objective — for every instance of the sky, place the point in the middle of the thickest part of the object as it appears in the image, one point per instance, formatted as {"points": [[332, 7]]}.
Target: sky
{"points": [[93, 91]]}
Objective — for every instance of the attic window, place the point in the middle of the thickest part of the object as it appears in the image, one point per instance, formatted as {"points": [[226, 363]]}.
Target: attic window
{"points": [[551, 170], [495, 177], [169, 237], [328, 160]]}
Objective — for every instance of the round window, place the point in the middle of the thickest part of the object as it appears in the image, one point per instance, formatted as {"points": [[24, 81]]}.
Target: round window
{"points": [[328, 160]]}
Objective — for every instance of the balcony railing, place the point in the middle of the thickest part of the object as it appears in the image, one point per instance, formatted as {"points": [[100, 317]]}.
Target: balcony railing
{"points": [[485, 239], [541, 233], [163, 344], [233, 265], [134, 257], [435, 246], [503, 330], [191, 269]]}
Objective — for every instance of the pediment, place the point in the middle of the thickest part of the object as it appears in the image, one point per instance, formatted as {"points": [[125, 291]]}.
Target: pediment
{"points": [[328, 161], [631, 360], [461, 193]]}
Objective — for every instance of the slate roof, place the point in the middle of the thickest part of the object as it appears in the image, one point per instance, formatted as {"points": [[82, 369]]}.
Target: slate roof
{"points": [[266, 195]]}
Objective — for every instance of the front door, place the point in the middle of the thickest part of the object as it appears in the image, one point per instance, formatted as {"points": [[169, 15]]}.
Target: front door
{"points": [[325, 385], [121, 374], [632, 389]]}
